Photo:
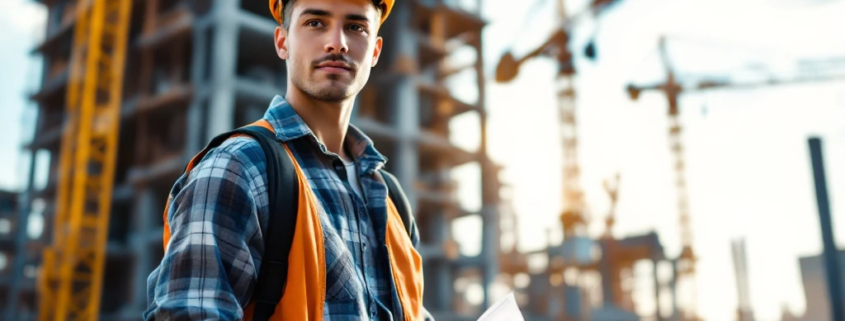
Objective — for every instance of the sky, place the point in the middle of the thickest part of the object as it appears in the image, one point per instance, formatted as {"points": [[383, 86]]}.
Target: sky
{"points": [[748, 166], [20, 22]]}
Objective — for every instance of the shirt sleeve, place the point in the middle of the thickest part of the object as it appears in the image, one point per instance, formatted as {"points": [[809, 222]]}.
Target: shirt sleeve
{"points": [[211, 263]]}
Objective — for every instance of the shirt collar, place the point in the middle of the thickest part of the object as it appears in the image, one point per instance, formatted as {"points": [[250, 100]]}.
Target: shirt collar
{"points": [[285, 121], [363, 149], [289, 126]]}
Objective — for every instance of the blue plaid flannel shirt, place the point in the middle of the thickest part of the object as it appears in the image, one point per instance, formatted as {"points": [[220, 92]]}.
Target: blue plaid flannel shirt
{"points": [[210, 268]]}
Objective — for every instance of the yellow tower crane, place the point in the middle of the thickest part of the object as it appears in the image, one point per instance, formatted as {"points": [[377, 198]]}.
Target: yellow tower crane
{"points": [[71, 276]]}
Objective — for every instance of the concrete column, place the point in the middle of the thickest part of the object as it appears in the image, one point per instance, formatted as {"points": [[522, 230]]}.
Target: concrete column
{"points": [[24, 209], [405, 97], [439, 271], [18, 263], [489, 250], [490, 184], [608, 273], [193, 127], [401, 51], [142, 223], [655, 263], [674, 290], [224, 55]]}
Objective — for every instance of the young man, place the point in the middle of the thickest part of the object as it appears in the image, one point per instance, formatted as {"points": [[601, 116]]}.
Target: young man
{"points": [[349, 259]]}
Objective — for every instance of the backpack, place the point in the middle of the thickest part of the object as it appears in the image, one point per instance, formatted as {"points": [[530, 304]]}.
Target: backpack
{"points": [[283, 192]]}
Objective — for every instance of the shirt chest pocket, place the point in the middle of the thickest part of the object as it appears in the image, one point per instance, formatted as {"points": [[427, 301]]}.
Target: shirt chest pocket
{"points": [[342, 282]]}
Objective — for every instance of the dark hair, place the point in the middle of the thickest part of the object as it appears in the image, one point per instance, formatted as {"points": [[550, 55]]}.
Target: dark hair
{"points": [[288, 8]]}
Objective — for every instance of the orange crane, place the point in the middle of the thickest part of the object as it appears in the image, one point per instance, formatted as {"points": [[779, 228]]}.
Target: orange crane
{"points": [[70, 280], [572, 216], [684, 264]]}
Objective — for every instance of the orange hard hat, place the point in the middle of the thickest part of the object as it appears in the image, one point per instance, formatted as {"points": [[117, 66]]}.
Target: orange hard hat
{"points": [[276, 7]]}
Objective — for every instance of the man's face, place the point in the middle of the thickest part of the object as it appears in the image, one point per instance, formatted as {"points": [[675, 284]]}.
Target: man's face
{"points": [[330, 46]]}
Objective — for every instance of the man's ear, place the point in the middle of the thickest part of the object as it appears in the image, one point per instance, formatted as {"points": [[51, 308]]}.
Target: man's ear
{"points": [[377, 51], [281, 38]]}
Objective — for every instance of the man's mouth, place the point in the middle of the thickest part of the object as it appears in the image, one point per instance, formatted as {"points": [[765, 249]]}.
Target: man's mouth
{"points": [[334, 67]]}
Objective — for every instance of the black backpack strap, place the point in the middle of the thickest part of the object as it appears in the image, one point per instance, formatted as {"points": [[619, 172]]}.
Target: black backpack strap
{"points": [[283, 196], [395, 192]]}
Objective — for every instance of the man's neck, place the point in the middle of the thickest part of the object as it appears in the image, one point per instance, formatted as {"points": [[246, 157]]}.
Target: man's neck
{"points": [[329, 121]]}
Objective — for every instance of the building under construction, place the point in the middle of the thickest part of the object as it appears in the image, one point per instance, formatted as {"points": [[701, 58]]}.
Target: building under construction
{"points": [[197, 68], [8, 242]]}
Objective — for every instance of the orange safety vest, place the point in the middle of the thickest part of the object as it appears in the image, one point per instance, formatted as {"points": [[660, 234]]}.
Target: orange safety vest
{"points": [[305, 293]]}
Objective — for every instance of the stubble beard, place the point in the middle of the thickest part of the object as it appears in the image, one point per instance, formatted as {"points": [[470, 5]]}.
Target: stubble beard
{"points": [[334, 91]]}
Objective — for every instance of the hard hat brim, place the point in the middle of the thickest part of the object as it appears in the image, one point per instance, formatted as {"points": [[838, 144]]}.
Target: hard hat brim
{"points": [[277, 7]]}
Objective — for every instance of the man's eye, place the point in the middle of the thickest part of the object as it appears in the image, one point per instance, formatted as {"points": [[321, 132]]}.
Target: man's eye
{"points": [[357, 28], [314, 23]]}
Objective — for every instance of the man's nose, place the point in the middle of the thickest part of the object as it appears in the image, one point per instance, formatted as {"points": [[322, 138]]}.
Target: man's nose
{"points": [[336, 42]]}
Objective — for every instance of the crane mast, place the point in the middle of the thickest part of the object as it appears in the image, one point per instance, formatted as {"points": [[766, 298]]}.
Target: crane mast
{"points": [[71, 279], [572, 216]]}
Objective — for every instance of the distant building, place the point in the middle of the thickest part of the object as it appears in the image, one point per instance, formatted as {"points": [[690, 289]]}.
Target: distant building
{"points": [[8, 217], [787, 315], [815, 289]]}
